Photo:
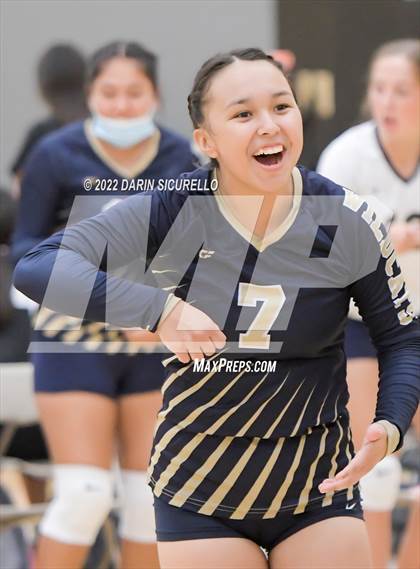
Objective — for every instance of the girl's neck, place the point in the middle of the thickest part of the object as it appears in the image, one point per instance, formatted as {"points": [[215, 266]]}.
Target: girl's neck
{"points": [[126, 157], [230, 186], [402, 153], [273, 207]]}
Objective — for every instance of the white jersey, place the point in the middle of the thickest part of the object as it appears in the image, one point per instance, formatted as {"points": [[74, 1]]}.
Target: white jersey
{"points": [[357, 161]]}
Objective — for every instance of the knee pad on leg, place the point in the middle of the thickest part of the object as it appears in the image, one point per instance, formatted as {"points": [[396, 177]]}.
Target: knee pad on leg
{"points": [[380, 487], [83, 497], [137, 513]]}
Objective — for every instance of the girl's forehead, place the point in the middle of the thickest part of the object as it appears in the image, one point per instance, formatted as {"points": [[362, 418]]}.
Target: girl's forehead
{"points": [[394, 67], [121, 67], [246, 79]]}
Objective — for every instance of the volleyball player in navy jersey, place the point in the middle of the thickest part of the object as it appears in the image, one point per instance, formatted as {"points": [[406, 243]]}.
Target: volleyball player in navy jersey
{"points": [[94, 385], [248, 455]]}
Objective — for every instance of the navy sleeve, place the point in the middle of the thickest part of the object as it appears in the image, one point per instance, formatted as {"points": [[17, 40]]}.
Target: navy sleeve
{"points": [[33, 136], [39, 197], [384, 305], [67, 272]]}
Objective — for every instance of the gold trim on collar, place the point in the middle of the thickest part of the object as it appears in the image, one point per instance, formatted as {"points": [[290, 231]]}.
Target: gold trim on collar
{"points": [[262, 243], [147, 156]]}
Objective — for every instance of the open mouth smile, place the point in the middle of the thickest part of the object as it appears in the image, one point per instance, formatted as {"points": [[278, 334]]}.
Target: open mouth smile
{"points": [[270, 156]]}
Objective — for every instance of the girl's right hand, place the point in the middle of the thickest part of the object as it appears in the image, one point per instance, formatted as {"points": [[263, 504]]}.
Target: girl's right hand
{"points": [[190, 334]]}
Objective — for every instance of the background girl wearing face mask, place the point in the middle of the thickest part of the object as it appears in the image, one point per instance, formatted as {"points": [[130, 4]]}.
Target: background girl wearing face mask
{"points": [[380, 159], [105, 387]]}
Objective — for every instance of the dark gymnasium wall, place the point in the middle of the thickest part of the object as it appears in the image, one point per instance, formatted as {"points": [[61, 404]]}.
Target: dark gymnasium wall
{"points": [[338, 36]]}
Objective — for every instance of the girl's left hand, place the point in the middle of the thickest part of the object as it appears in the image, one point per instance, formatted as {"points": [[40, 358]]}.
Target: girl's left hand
{"points": [[373, 450]]}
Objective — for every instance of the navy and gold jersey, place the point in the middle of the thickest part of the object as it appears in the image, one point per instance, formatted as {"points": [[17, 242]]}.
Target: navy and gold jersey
{"points": [[254, 429], [68, 178]]}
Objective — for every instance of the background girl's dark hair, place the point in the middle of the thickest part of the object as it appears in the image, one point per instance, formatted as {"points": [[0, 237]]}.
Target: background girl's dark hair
{"points": [[61, 75], [146, 59], [208, 70]]}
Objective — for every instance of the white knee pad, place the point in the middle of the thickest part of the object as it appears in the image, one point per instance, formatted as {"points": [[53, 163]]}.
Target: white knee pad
{"points": [[137, 514], [83, 497], [381, 486]]}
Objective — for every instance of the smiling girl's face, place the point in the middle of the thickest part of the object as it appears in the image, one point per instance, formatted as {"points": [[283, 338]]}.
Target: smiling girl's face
{"points": [[252, 126]]}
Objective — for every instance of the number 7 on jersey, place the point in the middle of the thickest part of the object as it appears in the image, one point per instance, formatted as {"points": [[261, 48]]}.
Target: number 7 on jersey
{"points": [[273, 299]]}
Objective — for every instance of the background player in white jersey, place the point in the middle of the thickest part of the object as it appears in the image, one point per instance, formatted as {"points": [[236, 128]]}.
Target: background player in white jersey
{"points": [[250, 459], [380, 158]]}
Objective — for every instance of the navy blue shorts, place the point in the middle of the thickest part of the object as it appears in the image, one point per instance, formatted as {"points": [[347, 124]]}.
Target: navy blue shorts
{"points": [[357, 342], [110, 375], [178, 524]]}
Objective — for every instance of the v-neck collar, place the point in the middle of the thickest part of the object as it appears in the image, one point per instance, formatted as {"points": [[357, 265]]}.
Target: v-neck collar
{"points": [[390, 164], [257, 242], [146, 158]]}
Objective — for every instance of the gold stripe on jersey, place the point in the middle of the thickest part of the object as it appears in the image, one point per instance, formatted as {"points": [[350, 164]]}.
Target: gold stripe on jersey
{"points": [[256, 488], [97, 336], [48, 320], [184, 394], [163, 271], [56, 324], [171, 359], [276, 503], [251, 421], [327, 501], [93, 331], [114, 344], [72, 336], [278, 499], [299, 421], [270, 431], [187, 450], [169, 381], [213, 429], [215, 499], [176, 463], [348, 454], [173, 287], [318, 419], [169, 435], [185, 493], [304, 495], [175, 375], [42, 316], [199, 475]]}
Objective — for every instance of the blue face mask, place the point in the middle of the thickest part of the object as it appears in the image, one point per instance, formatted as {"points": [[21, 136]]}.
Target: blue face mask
{"points": [[123, 133]]}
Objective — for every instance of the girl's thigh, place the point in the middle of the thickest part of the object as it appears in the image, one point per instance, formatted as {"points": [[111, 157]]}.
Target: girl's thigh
{"points": [[137, 415], [216, 553], [79, 427], [334, 543]]}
